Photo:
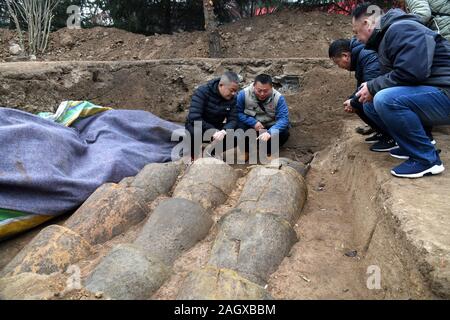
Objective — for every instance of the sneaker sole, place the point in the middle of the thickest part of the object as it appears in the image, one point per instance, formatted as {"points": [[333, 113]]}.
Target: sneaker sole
{"points": [[432, 171], [371, 142], [383, 150], [399, 157]]}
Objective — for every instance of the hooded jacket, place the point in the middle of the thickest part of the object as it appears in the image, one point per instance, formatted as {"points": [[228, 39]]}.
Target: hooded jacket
{"points": [[433, 13], [410, 54]]}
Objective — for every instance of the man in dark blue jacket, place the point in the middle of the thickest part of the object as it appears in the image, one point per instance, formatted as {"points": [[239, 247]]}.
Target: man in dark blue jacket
{"points": [[414, 87], [351, 55], [213, 109]]}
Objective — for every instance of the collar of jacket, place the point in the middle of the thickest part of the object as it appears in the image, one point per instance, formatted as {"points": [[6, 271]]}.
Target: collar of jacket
{"points": [[375, 39], [355, 47], [214, 87]]}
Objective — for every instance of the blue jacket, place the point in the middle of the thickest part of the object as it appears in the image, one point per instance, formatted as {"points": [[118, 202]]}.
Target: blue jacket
{"points": [[211, 109], [365, 64], [281, 114], [409, 54]]}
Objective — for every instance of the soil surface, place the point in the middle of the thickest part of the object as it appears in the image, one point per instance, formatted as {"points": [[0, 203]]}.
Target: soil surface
{"points": [[284, 34]]}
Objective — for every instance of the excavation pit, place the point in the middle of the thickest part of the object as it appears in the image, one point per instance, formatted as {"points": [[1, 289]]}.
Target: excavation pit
{"points": [[398, 228]]}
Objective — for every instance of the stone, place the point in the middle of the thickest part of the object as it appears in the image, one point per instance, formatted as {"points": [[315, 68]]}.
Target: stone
{"points": [[15, 49], [281, 191], [301, 168], [220, 284], [252, 244], [156, 179], [208, 182], [31, 286], [127, 273], [54, 249], [175, 225], [108, 212], [67, 40]]}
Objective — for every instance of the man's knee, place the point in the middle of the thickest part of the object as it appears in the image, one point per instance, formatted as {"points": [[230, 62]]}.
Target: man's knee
{"points": [[284, 137], [369, 108], [190, 129]]}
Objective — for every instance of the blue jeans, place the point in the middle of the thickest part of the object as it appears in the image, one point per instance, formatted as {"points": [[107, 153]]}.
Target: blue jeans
{"points": [[403, 111]]}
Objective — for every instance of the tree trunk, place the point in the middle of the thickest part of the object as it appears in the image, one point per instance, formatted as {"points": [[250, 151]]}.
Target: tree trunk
{"points": [[167, 16], [211, 27]]}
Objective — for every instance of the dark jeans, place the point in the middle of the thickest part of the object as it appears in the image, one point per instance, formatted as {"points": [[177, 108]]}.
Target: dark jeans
{"points": [[359, 110], [402, 111], [283, 138]]}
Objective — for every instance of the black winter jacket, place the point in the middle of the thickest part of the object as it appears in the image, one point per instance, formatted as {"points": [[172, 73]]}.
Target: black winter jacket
{"points": [[208, 106], [365, 64]]}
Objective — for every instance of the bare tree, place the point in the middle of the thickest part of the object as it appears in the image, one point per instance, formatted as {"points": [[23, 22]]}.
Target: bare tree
{"points": [[211, 26], [37, 16]]}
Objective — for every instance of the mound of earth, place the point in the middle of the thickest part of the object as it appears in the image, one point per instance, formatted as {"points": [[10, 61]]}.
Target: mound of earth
{"points": [[281, 35]]}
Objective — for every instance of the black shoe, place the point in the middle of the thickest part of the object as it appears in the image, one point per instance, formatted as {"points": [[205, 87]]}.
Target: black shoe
{"points": [[365, 130], [384, 145], [375, 138]]}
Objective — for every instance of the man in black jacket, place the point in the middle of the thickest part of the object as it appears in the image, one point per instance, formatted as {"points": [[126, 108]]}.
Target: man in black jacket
{"points": [[413, 88], [212, 111]]}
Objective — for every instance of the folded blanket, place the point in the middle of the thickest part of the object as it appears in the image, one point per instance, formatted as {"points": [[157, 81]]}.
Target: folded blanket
{"points": [[49, 169]]}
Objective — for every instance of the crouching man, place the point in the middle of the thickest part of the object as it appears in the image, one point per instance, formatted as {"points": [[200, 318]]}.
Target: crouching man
{"points": [[264, 109], [212, 110], [413, 89]]}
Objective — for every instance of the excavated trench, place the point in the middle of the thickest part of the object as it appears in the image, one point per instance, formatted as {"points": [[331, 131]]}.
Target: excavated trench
{"points": [[210, 231]]}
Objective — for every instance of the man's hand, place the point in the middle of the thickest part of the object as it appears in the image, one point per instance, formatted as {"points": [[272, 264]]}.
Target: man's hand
{"points": [[264, 137], [219, 135], [259, 126], [348, 107], [364, 94]]}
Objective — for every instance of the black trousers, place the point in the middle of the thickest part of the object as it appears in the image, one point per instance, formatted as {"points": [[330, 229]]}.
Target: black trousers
{"points": [[197, 150]]}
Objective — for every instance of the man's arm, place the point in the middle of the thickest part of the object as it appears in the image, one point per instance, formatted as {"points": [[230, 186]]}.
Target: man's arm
{"points": [[411, 53], [196, 109], [281, 115], [371, 66], [240, 105], [420, 8]]}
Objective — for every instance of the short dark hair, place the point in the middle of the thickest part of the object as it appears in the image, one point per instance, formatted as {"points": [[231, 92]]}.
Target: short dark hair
{"points": [[338, 47], [263, 79], [362, 10]]}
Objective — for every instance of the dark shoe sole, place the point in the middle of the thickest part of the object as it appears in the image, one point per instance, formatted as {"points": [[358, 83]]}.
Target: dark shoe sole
{"points": [[383, 150]]}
